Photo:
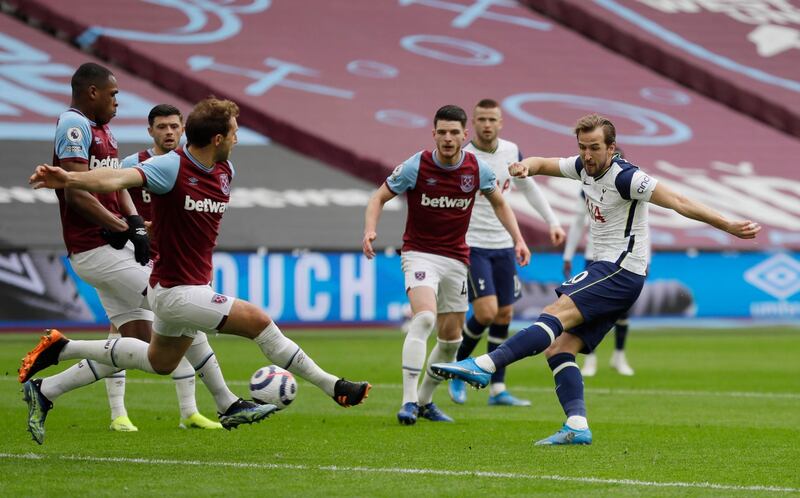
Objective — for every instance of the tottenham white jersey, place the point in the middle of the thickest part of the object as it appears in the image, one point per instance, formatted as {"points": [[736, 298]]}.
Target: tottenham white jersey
{"points": [[485, 230], [617, 203]]}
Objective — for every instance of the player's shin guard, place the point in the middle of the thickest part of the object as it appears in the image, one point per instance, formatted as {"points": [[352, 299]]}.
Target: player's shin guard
{"points": [[183, 375], [122, 353], [204, 361], [286, 354], [443, 352], [528, 342], [471, 335], [415, 346], [81, 374], [498, 333], [115, 389], [569, 384]]}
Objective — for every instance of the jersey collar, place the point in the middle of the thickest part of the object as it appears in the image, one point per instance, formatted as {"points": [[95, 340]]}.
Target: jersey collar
{"points": [[448, 166]]}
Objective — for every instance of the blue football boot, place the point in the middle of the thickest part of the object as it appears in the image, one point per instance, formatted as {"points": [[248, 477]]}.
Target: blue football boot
{"points": [[458, 391], [567, 435], [466, 370], [408, 413], [434, 414], [505, 398]]}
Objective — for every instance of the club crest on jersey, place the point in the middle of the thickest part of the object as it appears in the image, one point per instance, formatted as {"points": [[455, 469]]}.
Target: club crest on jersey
{"points": [[218, 299], [419, 275], [467, 183], [74, 135], [225, 183], [112, 140]]}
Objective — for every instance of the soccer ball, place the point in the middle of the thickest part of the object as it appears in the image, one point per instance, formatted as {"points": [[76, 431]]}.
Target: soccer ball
{"points": [[273, 385]]}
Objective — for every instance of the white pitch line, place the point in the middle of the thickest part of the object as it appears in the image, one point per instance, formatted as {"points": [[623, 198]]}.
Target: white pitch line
{"points": [[400, 470], [530, 389]]}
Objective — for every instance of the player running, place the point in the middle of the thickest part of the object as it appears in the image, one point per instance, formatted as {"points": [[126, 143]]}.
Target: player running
{"points": [[165, 126], [105, 238], [190, 190]]}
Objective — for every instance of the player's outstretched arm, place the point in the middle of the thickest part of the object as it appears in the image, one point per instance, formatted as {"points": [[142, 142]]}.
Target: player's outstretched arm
{"points": [[371, 217], [98, 180], [531, 166], [506, 216], [667, 198]]}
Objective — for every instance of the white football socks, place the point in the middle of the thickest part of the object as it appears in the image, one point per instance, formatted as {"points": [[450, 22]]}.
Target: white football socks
{"points": [[415, 346], [122, 353], [115, 389], [82, 373], [284, 353], [496, 388], [183, 376], [486, 363], [205, 363], [577, 422], [442, 352]]}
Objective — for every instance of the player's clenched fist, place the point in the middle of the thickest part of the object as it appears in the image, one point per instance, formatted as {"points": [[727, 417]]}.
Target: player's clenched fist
{"points": [[518, 170], [46, 176]]}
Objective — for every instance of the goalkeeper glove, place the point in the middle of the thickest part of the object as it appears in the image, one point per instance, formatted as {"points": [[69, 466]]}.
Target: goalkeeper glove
{"points": [[137, 233]]}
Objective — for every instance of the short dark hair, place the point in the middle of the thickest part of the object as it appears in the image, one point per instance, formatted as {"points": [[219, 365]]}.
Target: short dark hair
{"points": [[210, 117], [162, 111], [591, 121], [89, 74], [487, 104], [450, 113]]}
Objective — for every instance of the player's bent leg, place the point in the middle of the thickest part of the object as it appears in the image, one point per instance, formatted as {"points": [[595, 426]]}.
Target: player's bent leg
{"points": [[205, 363], [165, 353], [138, 329], [247, 320]]}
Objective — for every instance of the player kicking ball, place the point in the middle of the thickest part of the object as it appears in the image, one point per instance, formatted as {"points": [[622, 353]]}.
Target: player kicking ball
{"points": [[617, 198], [190, 190]]}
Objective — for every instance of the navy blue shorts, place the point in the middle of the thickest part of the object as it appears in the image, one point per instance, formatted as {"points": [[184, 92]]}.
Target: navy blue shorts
{"points": [[493, 272], [603, 293]]}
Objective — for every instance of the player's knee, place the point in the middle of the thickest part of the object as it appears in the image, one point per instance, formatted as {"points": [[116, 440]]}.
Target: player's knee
{"points": [[485, 315], [504, 315], [163, 366], [422, 324]]}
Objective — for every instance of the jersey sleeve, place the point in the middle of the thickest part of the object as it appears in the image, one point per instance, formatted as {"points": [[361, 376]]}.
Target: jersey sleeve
{"points": [[635, 184], [571, 167], [160, 172], [73, 137], [404, 176], [130, 161], [488, 180]]}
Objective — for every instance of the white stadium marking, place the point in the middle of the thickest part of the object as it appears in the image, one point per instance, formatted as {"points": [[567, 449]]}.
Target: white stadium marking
{"points": [[400, 470], [530, 389]]}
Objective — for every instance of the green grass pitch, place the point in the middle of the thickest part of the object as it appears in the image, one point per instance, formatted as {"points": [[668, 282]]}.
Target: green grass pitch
{"points": [[708, 413]]}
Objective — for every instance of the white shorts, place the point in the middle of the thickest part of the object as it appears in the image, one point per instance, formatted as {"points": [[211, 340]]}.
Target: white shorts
{"points": [[446, 276], [185, 309], [119, 280]]}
